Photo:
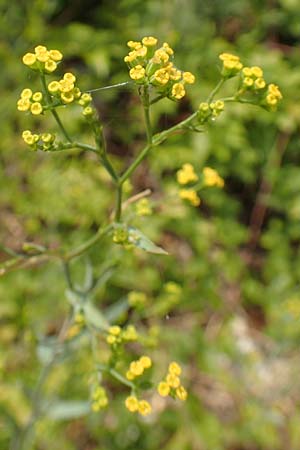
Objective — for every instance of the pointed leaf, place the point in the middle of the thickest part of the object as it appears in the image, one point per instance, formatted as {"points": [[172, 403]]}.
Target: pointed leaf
{"points": [[138, 239]]}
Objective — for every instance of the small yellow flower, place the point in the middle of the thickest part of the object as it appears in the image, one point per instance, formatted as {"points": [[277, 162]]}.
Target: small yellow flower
{"points": [[186, 174], [168, 49], [149, 41], [134, 44], [181, 393], [247, 81], [160, 56], [130, 333], [36, 108], [257, 72], [174, 74], [163, 389], [26, 93], [247, 71], [141, 52], [190, 195], [145, 361], [23, 104], [115, 330], [48, 137], [40, 49], [111, 339], [53, 87], [161, 76], [259, 83], [129, 375], [143, 207], [144, 407], [85, 99], [37, 96], [188, 77], [67, 97], [96, 407], [43, 57], [26, 133], [56, 55], [178, 91], [174, 368], [136, 368], [172, 380], [88, 111], [132, 403], [29, 59], [274, 90], [29, 139], [66, 86], [50, 65], [137, 72], [228, 57], [219, 105], [271, 100], [69, 77], [212, 178]]}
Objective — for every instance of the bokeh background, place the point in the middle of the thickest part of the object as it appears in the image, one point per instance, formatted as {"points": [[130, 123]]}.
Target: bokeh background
{"points": [[234, 323]]}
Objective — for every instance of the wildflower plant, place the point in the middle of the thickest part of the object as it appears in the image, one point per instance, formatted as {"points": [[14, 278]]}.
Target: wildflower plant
{"points": [[152, 68]]}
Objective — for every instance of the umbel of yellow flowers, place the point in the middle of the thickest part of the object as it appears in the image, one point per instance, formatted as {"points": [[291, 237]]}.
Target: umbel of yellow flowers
{"points": [[152, 64]]}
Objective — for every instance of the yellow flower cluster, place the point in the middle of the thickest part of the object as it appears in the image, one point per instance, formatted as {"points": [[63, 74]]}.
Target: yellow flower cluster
{"points": [[150, 64], [99, 398], [137, 299], [42, 141], [231, 65], [171, 385], [65, 89], [186, 174], [212, 178], [143, 207], [137, 368], [117, 335], [190, 195], [30, 101], [253, 78], [43, 59], [273, 95], [210, 110], [134, 405]]}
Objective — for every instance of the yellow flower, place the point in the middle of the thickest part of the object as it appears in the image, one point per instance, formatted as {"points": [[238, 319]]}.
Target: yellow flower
{"points": [[212, 178], [190, 195], [67, 97], [144, 407], [161, 76], [188, 77], [26, 133], [66, 86], [29, 59], [56, 55], [257, 72], [174, 74], [172, 380], [88, 111], [145, 361], [181, 393], [274, 90], [160, 56], [69, 77], [174, 368], [40, 49], [134, 44], [186, 174], [28, 137], [53, 87], [129, 375], [143, 207], [114, 330], [271, 100], [163, 389], [48, 137], [85, 99], [247, 72], [259, 83], [247, 81], [130, 333], [111, 339], [26, 93], [168, 49], [228, 57], [43, 57], [231, 64], [137, 72], [37, 96], [141, 52], [23, 104], [132, 403], [36, 108], [136, 368], [50, 66], [149, 41], [178, 91]]}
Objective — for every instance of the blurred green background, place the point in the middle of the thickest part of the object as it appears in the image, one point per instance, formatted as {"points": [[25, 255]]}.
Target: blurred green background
{"points": [[236, 326]]}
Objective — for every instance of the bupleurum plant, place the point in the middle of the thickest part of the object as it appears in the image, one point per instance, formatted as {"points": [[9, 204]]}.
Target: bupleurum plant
{"points": [[152, 69]]}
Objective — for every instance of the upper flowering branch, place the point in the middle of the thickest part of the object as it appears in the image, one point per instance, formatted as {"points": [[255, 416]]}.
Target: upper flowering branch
{"points": [[152, 65]]}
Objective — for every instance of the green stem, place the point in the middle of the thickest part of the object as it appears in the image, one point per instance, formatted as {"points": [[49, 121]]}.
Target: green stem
{"points": [[215, 90], [116, 375], [53, 111], [160, 137], [118, 213], [146, 105], [142, 155], [86, 245]]}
